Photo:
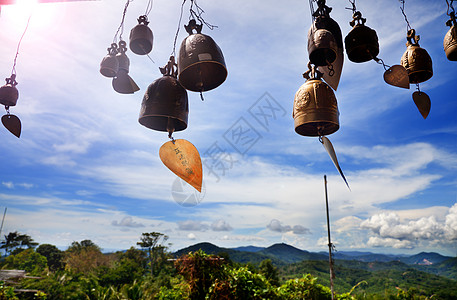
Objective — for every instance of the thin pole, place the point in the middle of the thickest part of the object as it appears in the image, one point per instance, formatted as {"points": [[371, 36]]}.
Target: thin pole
{"points": [[1, 227], [330, 245]]}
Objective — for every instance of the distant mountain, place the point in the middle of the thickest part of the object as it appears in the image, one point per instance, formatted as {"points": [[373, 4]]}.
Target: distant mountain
{"points": [[424, 258], [249, 248], [290, 254]]}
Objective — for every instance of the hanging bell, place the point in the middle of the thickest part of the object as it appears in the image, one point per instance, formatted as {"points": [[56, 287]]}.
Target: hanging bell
{"points": [[322, 46], [315, 109], [110, 65], [361, 42], [123, 83], [416, 60], [450, 39], [165, 105], [141, 37], [9, 93], [201, 64]]}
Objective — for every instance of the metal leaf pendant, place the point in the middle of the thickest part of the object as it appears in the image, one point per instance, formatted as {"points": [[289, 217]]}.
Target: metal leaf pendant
{"points": [[397, 76], [423, 103], [183, 159], [329, 147], [12, 123]]}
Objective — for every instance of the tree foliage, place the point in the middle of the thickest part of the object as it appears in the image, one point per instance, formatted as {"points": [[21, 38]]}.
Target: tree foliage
{"points": [[153, 243]]}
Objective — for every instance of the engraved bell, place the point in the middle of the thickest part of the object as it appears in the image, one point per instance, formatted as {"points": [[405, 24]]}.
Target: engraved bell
{"points": [[315, 110], [165, 106], [450, 39], [416, 60], [141, 37], [361, 42], [122, 82], [9, 93], [201, 64], [110, 65]]}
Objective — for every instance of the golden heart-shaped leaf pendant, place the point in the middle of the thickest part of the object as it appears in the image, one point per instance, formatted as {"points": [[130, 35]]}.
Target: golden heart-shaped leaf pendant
{"points": [[183, 159]]}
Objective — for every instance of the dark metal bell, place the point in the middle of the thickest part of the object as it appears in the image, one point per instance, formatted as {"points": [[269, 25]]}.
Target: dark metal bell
{"points": [[165, 106], [201, 64], [416, 60], [122, 82], [110, 65], [9, 93], [322, 46], [141, 37], [315, 109], [362, 42], [450, 39]]}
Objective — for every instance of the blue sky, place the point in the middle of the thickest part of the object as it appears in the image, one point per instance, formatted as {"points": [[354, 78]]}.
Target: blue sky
{"points": [[84, 168]]}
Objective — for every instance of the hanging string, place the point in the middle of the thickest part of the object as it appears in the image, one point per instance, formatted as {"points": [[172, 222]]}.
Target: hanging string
{"points": [[13, 70], [173, 53], [198, 14], [149, 7], [450, 8], [402, 8], [353, 8], [120, 29]]}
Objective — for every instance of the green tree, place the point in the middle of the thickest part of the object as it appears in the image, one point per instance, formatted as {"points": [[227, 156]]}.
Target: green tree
{"points": [[14, 242], [53, 255], [27, 260], [153, 243], [270, 272], [84, 257]]}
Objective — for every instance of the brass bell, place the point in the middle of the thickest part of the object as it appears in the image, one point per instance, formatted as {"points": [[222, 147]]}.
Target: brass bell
{"points": [[141, 37], [322, 46], [416, 60], [201, 64], [9, 93], [450, 39], [165, 106], [315, 110], [122, 82], [110, 65], [361, 42]]}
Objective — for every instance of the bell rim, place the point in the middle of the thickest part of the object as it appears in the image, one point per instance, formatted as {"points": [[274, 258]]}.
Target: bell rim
{"points": [[163, 129], [199, 62]]}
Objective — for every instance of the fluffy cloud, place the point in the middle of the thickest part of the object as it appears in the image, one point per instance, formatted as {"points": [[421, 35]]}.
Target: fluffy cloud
{"points": [[276, 226], [221, 225], [391, 231], [8, 184], [190, 225], [127, 222]]}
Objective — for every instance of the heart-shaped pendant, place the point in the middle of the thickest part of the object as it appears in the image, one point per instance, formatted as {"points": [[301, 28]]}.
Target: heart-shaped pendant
{"points": [[423, 103], [397, 76], [12, 123]]}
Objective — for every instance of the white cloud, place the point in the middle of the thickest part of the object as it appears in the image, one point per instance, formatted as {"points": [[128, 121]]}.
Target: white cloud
{"points": [[8, 184], [191, 236], [277, 226], [190, 225], [127, 222], [221, 225]]}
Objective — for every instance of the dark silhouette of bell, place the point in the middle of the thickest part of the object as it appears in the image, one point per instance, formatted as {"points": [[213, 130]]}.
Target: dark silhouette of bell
{"points": [[201, 64], [361, 42], [315, 110], [165, 106], [141, 37], [416, 60], [322, 46], [450, 39], [122, 82], [9, 93], [110, 65]]}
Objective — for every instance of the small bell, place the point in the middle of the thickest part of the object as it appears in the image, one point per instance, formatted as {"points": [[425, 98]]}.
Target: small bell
{"points": [[315, 109], [122, 82], [450, 39], [110, 65], [141, 37], [165, 106], [201, 64], [416, 60], [322, 46], [361, 42], [9, 93]]}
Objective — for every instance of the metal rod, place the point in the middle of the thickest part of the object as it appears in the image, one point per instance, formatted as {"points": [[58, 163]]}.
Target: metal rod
{"points": [[330, 245]]}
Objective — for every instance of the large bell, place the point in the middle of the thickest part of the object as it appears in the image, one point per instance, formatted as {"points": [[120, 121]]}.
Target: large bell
{"points": [[165, 106], [322, 46], [9, 93], [201, 64], [416, 60], [122, 82], [450, 39], [110, 65], [141, 37], [315, 109], [361, 42]]}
